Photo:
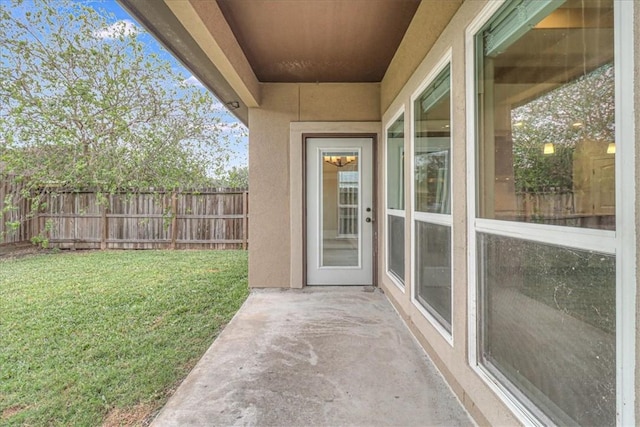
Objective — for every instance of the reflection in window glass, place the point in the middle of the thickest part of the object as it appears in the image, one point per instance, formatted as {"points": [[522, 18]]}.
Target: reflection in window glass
{"points": [[433, 270], [546, 154], [546, 97], [395, 199], [347, 203], [340, 207], [433, 146], [396, 246], [549, 326], [395, 165]]}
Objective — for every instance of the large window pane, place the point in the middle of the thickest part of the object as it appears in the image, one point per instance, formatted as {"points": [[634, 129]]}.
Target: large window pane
{"points": [[546, 97], [395, 165], [433, 270], [549, 326], [396, 246], [433, 146]]}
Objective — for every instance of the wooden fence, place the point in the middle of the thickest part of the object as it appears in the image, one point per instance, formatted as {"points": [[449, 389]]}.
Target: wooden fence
{"points": [[203, 219], [17, 225]]}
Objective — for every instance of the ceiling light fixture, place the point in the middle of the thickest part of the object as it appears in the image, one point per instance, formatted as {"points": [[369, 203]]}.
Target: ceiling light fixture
{"points": [[611, 148], [339, 161], [548, 148]]}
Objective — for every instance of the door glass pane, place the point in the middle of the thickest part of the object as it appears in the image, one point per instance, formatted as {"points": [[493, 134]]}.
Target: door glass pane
{"points": [[546, 89], [340, 209], [549, 326]]}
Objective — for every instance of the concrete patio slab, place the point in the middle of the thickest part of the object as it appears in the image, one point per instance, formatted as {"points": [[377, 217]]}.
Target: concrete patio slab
{"points": [[322, 356]]}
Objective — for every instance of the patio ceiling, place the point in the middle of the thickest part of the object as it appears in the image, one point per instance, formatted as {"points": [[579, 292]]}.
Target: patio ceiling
{"points": [[232, 46], [319, 40]]}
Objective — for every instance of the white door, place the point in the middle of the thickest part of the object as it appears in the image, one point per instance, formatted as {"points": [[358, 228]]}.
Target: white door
{"points": [[339, 211]]}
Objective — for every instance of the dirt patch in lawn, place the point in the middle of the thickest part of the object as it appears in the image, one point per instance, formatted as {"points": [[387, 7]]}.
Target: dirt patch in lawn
{"points": [[139, 415], [19, 250], [11, 411]]}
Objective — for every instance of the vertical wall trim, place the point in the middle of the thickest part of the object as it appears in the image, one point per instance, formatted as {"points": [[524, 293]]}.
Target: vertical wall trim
{"points": [[385, 185], [626, 206]]}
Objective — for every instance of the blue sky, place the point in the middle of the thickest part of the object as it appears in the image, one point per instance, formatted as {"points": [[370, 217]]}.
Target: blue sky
{"points": [[239, 144]]}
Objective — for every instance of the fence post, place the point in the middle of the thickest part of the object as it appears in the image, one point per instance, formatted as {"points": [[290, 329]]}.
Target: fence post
{"points": [[245, 210], [35, 221], [105, 228], [3, 191], [174, 219]]}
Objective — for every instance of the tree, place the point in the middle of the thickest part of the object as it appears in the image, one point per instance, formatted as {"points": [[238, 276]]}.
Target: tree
{"points": [[83, 103], [582, 110], [236, 177]]}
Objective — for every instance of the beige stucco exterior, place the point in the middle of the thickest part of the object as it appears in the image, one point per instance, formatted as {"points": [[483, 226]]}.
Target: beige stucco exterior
{"points": [[288, 111], [211, 31], [429, 21], [275, 166], [280, 114], [452, 360]]}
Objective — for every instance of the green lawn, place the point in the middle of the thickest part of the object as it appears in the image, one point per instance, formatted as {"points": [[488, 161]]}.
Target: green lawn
{"points": [[89, 338]]}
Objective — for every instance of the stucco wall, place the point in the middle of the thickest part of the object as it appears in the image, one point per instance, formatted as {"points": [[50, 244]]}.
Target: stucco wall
{"points": [[396, 90], [478, 399], [273, 186], [269, 171], [269, 181], [430, 19]]}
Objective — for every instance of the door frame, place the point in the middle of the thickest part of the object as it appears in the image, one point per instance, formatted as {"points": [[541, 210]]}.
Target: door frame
{"points": [[374, 199], [299, 132]]}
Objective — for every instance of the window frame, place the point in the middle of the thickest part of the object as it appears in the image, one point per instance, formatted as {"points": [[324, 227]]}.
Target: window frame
{"points": [[342, 206], [620, 242], [428, 217], [401, 213]]}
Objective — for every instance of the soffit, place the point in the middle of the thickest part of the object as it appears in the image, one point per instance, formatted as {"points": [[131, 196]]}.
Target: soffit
{"points": [[319, 40], [161, 22]]}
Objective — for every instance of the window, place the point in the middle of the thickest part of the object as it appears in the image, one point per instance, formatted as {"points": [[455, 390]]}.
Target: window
{"points": [[432, 200], [348, 203], [395, 200], [549, 326], [545, 156], [547, 113]]}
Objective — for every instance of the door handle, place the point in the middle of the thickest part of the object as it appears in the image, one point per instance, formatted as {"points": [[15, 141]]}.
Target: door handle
{"points": [[368, 220]]}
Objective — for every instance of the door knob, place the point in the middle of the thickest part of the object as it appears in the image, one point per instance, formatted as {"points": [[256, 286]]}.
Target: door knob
{"points": [[368, 219]]}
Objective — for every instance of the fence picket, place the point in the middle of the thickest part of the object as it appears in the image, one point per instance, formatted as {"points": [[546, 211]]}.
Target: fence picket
{"points": [[183, 219]]}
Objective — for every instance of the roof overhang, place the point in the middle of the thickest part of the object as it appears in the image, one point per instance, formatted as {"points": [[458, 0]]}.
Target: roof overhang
{"points": [[232, 46], [176, 26]]}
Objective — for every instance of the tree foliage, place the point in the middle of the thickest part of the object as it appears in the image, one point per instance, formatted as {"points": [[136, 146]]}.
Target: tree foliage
{"points": [[83, 103], [582, 110], [236, 177]]}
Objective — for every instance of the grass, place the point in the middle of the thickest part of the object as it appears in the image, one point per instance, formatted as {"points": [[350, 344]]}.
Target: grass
{"points": [[94, 338]]}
